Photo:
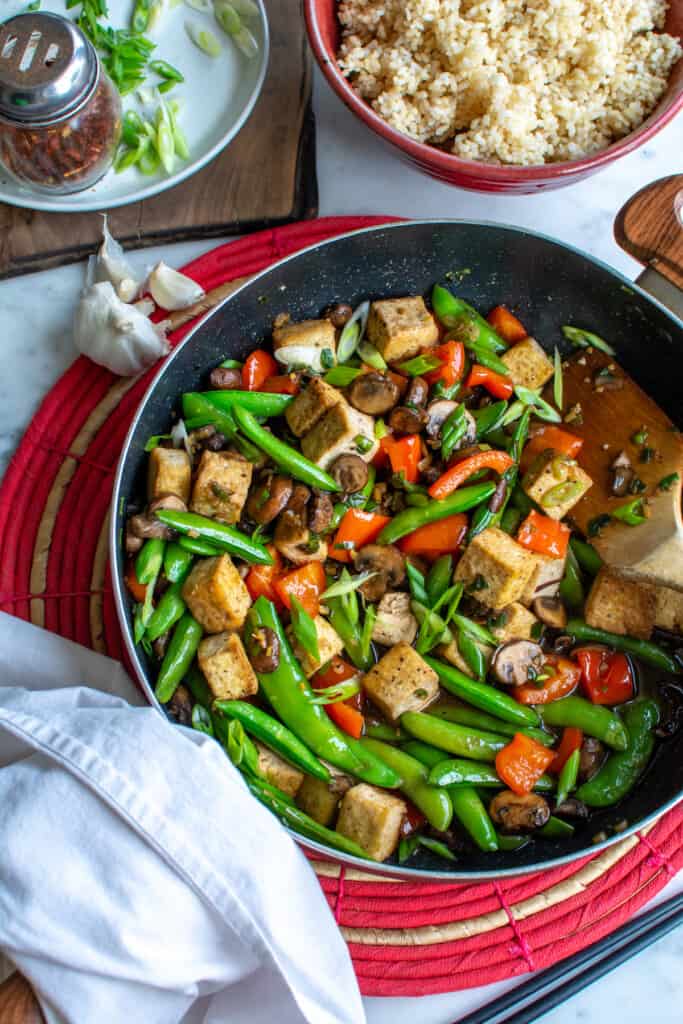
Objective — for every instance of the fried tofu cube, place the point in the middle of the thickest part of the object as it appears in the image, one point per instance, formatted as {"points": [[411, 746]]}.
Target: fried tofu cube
{"points": [[451, 652], [545, 579], [223, 660], [669, 609], [302, 345], [372, 818], [514, 623], [340, 431], [221, 486], [310, 405], [216, 594], [556, 483], [400, 328], [527, 364], [169, 471], [395, 622], [495, 569], [329, 644], [320, 800], [621, 605], [278, 772], [401, 681]]}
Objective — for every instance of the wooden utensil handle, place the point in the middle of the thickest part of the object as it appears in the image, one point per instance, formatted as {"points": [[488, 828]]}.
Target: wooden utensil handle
{"points": [[18, 1005], [650, 227]]}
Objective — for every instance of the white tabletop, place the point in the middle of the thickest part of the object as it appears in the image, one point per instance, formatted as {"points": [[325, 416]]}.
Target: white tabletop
{"points": [[359, 175]]}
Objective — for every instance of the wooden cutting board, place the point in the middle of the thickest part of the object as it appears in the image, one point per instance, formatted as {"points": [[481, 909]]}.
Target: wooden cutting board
{"points": [[266, 176]]}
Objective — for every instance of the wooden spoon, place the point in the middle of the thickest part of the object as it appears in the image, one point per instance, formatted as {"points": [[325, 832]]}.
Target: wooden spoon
{"points": [[18, 1005]]}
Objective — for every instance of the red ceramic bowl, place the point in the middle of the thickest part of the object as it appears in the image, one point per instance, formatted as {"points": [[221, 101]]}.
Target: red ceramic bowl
{"points": [[323, 33]]}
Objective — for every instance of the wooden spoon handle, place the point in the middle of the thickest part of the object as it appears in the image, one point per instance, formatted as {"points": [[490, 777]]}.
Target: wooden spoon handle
{"points": [[211, 299], [650, 227], [18, 1005]]}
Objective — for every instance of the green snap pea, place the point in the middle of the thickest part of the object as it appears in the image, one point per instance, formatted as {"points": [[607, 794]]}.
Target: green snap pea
{"points": [[489, 418], [593, 719], [456, 739], [481, 720], [150, 560], [451, 311], [458, 771], [645, 649], [384, 731], [484, 517], [555, 828], [622, 770], [571, 587], [170, 608], [411, 518], [275, 735], [486, 357], [300, 822], [179, 654], [196, 683], [195, 546], [177, 562], [482, 695], [227, 538], [568, 776], [435, 804], [351, 635], [258, 403], [198, 409], [439, 578], [286, 457], [511, 843], [470, 811], [586, 556], [510, 520]]}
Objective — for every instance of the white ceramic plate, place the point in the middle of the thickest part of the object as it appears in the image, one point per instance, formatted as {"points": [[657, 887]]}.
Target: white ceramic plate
{"points": [[218, 95]]}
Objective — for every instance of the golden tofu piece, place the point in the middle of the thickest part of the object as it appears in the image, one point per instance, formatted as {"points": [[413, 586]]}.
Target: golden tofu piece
{"points": [[329, 644], [372, 818], [223, 660], [514, 623], [495, 569], [669, 610], [528, 364], [302, 345], [556, 483], [395, 621], [310, 405], [278, 772], [400, 328], [169, 471], [621, 605], [545, 579], [216, 594], [451, 652], [340, 431], [221, 486], [401, 681], [320, 800]]}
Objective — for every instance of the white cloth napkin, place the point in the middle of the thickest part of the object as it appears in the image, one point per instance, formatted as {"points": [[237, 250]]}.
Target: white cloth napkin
{"points": [[139, 880]]}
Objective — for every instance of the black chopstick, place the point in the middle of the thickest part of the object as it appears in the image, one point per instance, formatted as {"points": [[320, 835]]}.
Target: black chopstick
{"points": [[558, 983]]}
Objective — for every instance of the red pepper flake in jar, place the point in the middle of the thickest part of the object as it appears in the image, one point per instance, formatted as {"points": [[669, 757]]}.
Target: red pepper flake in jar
{"points": [[60, 115]]}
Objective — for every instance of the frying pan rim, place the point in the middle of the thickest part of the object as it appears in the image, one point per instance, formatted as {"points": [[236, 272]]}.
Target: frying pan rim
{"points": [[116, 561]]}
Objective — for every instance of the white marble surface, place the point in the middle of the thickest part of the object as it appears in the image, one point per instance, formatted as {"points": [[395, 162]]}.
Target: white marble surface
{"points": [[358, 175]]}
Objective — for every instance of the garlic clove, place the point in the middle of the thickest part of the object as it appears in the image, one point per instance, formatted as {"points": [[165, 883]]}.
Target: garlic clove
{"points": [[111, 265], [114, 333], [145, 306], [172, 290]]}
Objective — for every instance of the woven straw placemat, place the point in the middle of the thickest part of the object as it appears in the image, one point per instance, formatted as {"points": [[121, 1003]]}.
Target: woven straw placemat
{"points": [[405, 938]]}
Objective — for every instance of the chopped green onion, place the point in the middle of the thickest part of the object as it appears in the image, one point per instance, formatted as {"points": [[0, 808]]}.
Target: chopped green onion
{"points": [[381, 429], [231, 364], [202, 38], [363, 444], [369, 354], [154, 440], [596, 525], [640, 436], [586, 339], [417, 583], [166, 70], [327, 359], [561, 493], [337, 693], [341, 376], [542, 409], [513, 413], [408, 846], [633, 512], [420, 365], [304, 629], [165, 146], [347, 586], [228, 18], [667, 482], [436, 846], [647, 454], [352, 332], [558, 383], [236, 742], [246, 8], [201, 720], [366, 634]]}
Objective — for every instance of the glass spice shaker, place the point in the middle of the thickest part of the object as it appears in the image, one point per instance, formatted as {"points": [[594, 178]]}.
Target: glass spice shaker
{"points": [[60, 114]]}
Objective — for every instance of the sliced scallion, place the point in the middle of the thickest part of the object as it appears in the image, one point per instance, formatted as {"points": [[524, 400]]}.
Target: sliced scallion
{"points": [[369, 354], [203, 39], [346, 586], [352, 332], [558, 382], [586, 339]]}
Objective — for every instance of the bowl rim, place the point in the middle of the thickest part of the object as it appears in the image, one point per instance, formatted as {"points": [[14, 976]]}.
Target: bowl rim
{"points": [[116, 562], [448, 163]]}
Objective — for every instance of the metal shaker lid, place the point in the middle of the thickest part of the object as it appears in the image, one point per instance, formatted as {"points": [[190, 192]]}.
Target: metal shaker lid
{"points": [[48, 68]]}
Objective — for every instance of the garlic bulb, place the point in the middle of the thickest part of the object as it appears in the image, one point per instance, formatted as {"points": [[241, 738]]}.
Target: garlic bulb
{"points": [[112, 265], [145, 306], [115, 334], [172, 290]]}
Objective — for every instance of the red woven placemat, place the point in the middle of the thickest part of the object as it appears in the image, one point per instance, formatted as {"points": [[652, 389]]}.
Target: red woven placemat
{"points": [[405, 938]]}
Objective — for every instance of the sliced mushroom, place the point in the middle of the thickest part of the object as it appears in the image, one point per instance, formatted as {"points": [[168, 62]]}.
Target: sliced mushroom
{"points": [[160, 644], [294, 540], [320, 512], [132, 542], [146, 527], [517, 662], [437, 414], [299, 498], [167, 501], [622, 475], [513, 813], [263, 649], [395, 621], [225, 379], [339, 314], [571, 808], [418, 392], [590, 759], [405, 420], [373, 393], [497, 499], [180, 706], [268, 497], [551, 611], [350, 472], [387, 562], [206, 437]]}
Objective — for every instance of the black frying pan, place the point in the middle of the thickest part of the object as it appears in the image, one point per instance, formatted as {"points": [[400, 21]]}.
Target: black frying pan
{"points": [[549, 284]]}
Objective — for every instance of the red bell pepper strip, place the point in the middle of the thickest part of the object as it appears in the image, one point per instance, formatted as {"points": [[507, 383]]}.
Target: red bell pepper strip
{"points": [[563, 679], [356, 529], [258, 367], [347, 718], [346, 714], [286, 384], [544, 535], [404, 455], [306, 584], [461, 471], [137, 590], [495, 383], [606, 676], [436, 539], [506, 325], [260, 580], [553, 438], [452, 356], [521, 763], [572, 739]]}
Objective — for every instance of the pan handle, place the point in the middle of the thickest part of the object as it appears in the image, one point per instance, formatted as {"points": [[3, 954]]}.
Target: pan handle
{"points": [[649, 227], [18, 1005]]}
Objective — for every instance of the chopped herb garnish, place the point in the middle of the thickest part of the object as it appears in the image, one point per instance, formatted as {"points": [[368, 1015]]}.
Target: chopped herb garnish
{"points": [[419, 365], [637, 486], [478, 583], [640, 436], [155, 440], [536, 631], [304, 629], [595, 526], [667, 482], [363, 444], [327, 359], [633, 512], [586, 339], [342, 376], [647, 454]]}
